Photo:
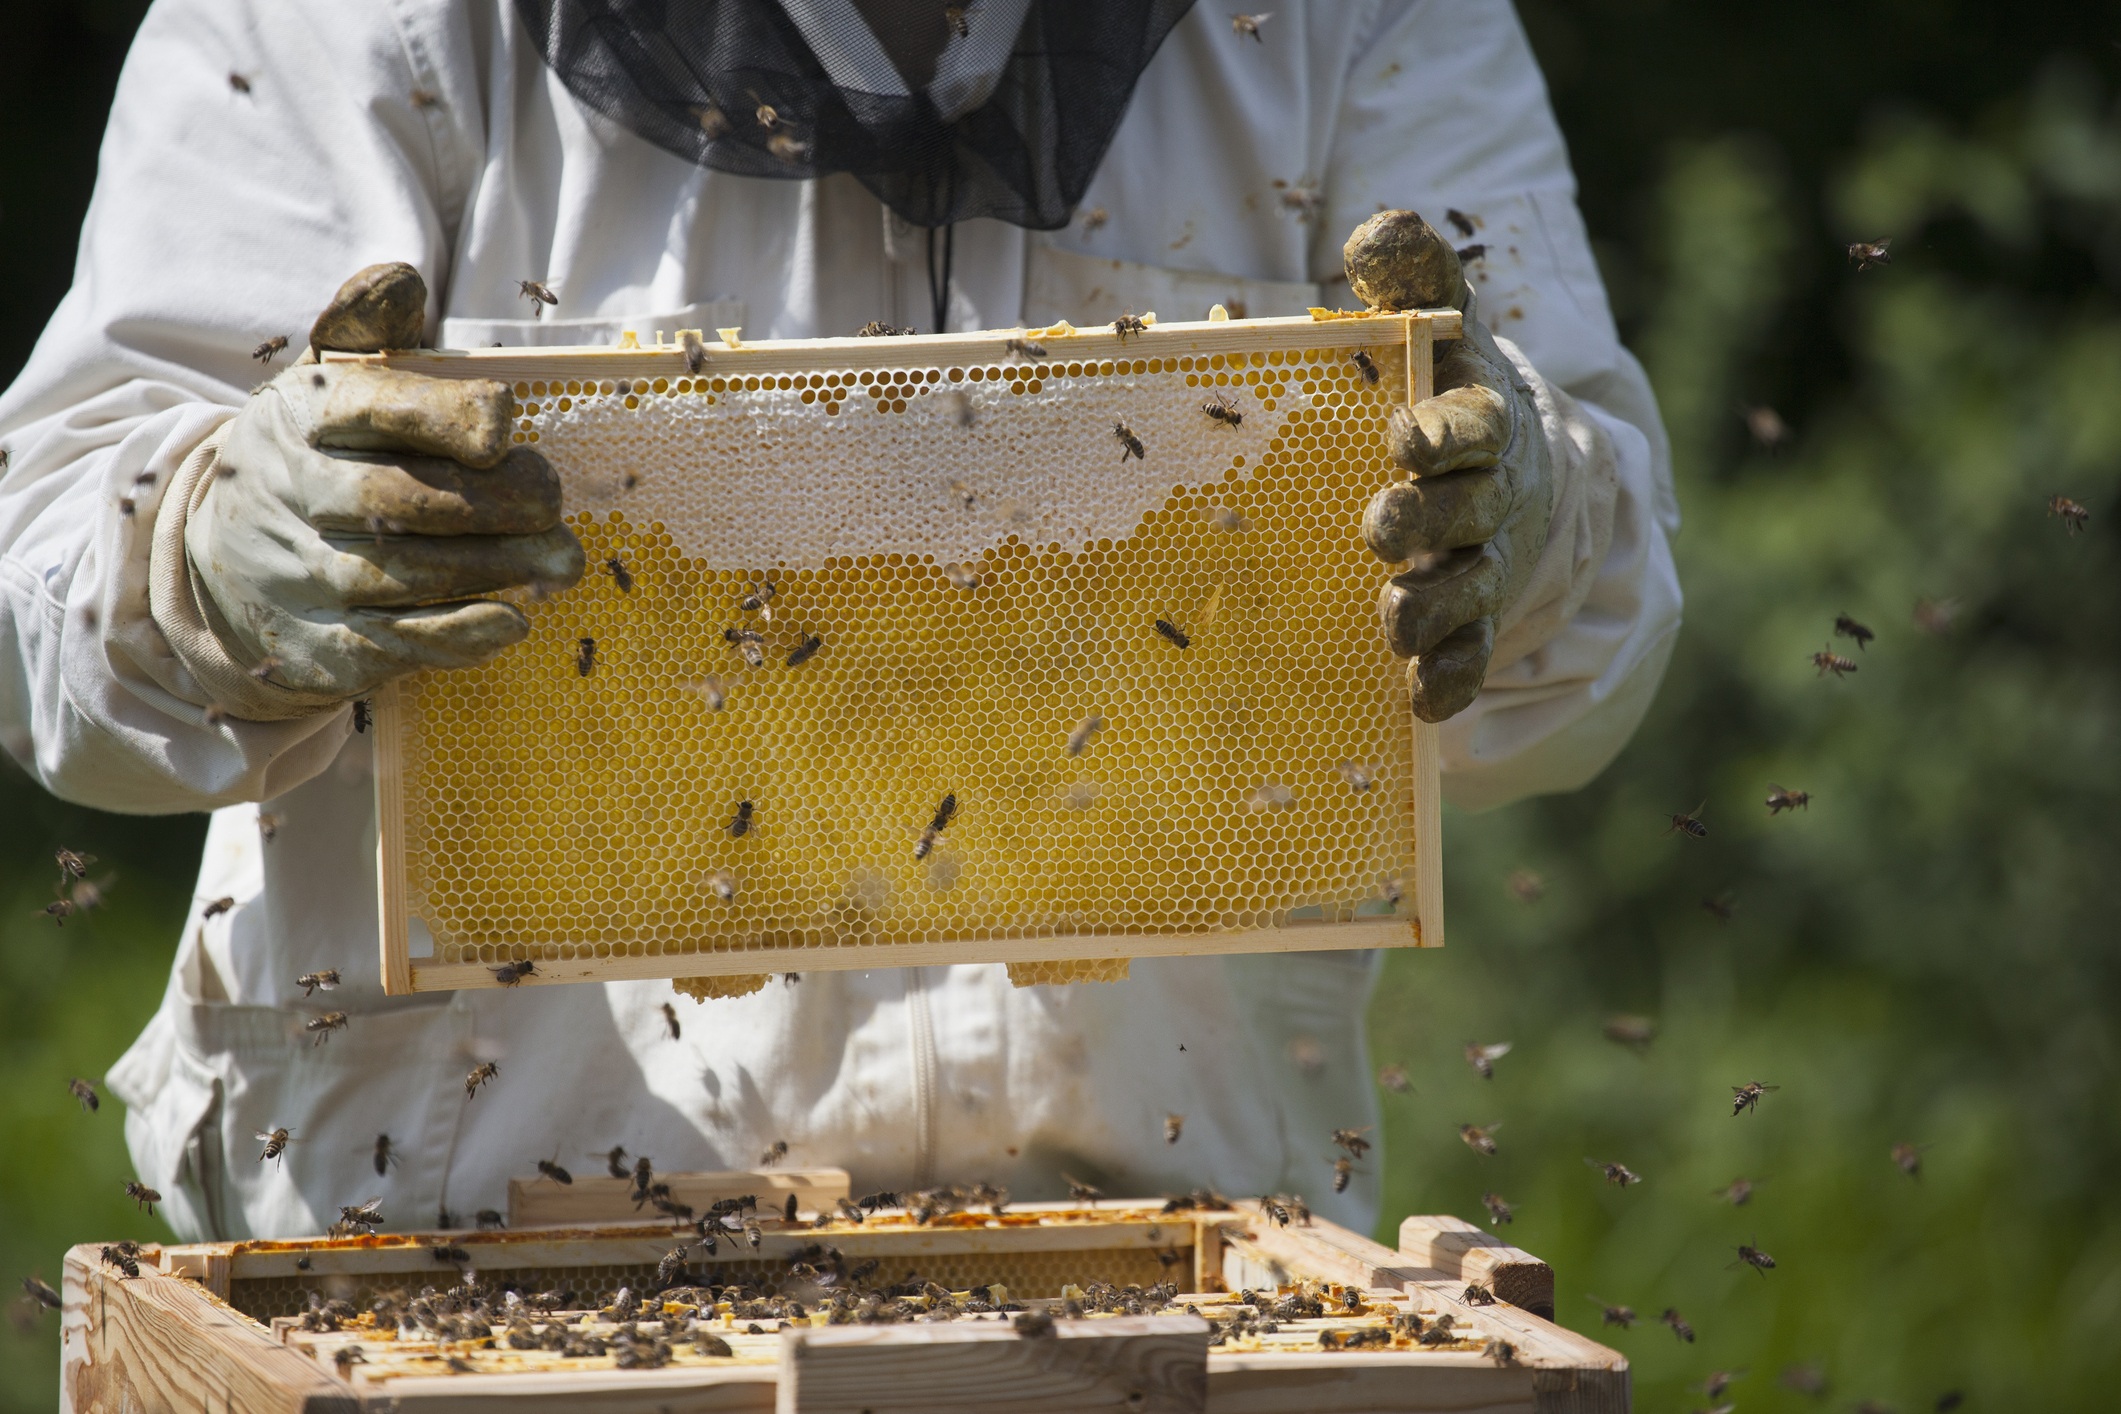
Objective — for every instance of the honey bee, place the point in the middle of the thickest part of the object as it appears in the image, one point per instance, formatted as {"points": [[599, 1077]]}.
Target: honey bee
{"points": [[1395, 1078], [670, 1020], [309, 982], [1174, 1126], [1218, 408], [1094, 220], [1634, 1032], [510, 974], [275, 1142], [1738, 1192], [141, 1194], [424, 99], [2074, 516], [1678, 1323], [1619, 1175], [1080, 1191], [1767, 427], [486, 1219], [538, 293], [126, 1262], [217, 907], [712, 120], [1936, 616], [1748, 1095], [1865, 255], [1720, 1380], [1753, 1257], [740, 823], [1502, 1352], [943, 815], [615, 1161], [775, 1152], [1367, 365], [454, 1256], [1304, 200], [673, 1262], [386, 1154], [268, 826], [59, 910], [878, 329], [620, 575], [479, 1075], [1128, 325], [1079, 739], [42, 1294], [694, 349], [324, 1024], [1526, 885], [85, 1093], [238, 83], [806, 650], [790, 149], [709, 690], [723, 883], [271, 349], [1173, 633], [1499, 1209], [1483, 1058], [1826, 660], [1846, 627], [760, 599], [954, 16], [1247, 26], [364, 1215], [550, 1168], [585, 656], [1908, 1159], [1352, 1140], [1025, 348], [1343, 1171], [72, 863], [1460, 222], [1307, 1055], [1480, 1139], [1621, 1316], [1358, 776], [1130, 445], [747, 643], [1690, 824], [363, 714]]}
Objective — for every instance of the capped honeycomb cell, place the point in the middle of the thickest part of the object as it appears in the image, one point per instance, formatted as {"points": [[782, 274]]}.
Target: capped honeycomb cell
{"points": [[820, 699]]}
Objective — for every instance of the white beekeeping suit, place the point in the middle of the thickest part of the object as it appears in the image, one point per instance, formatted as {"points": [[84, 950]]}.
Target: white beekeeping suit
{"points": [[433, 133]]}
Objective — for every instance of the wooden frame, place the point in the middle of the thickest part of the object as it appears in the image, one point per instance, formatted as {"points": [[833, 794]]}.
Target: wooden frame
{"points": [[730, 355], [169, 1339]]}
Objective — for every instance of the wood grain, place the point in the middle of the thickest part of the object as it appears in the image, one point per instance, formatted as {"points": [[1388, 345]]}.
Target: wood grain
{"points": [[596, 1199], [1422, 334], [157, 1344], [1462, 1251], [1128, 1365], [1353, 1383], [390, 843]]}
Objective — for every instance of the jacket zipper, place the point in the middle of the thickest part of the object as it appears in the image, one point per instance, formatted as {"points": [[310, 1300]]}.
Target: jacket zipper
{"points": [[920, 1026]]}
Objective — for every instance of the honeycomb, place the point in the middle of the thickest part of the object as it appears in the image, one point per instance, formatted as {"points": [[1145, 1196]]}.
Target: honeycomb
{"points": [[820, 603]]}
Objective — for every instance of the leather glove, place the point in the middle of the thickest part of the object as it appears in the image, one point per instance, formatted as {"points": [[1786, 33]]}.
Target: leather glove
{"points": [[350, 517], [1473, 517]]}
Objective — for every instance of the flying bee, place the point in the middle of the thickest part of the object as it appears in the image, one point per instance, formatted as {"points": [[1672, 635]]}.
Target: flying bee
{"points": [[1634, 1032], [1359, 777], [1218, 408], [1469, 253], [141, 1194], [271, 349], [620, 575], [615, 1161], [585, 656], [775, 1152], [1499, 1209], [43, 1294], [268, 826], [709, 690], [326, 979], [1865, 255], [1621, 1316], [324, 1024], [1935, 616], [510, 974], [1678, 1323], [2074, 516], [1481, 1140], [806, 650], [1738, 1192], [538, 293], [1025, 348], [59, 910], [238, 83], [1461, 222], [1720, 1380], [1779, 800], [1079, 739], [444, 1253], [740, 823], [1690, 824], [1826, 660], [386, 1154], [217, 907], [1483, 1058], [790, 149], [760, 599], [1343, 1171], [1173, 633], [1619, 1175], [1846, 627], [723, 883], [1908, 1159], [1753, 1257], [275, 1142], [368, 1214], [1126, 326], [1367, 365], [550, 1168], [670, 1020], [1130, 445], [1395, 1079], [747, 643], [943, 815], [673, 1262], [954, 16], [766, 114], [643, 1177], [1502, 1352], [1080, 1191], [1352, 1140], [1748, 1095], [1174, 1126], [85, 1093], [1767, 427], [72, 863], [1247, 26], [479, 1075]]}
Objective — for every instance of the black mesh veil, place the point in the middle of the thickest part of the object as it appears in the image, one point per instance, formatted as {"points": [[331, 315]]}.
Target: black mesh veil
{"points": [[766, 89]]}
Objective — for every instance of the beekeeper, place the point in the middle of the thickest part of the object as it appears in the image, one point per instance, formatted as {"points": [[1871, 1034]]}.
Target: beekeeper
{"points": [[200, 577]]}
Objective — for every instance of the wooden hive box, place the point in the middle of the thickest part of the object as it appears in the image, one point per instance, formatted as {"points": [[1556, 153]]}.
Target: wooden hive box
{"points": [[836, 583], [1258, 1318]]}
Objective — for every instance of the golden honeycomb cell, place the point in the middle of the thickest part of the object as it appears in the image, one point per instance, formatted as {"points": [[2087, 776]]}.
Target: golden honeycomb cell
{"points": [[588, 819]]}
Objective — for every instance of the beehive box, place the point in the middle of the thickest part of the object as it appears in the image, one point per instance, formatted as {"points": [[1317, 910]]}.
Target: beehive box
{"points": [[1257, 1319], [834, 584]]}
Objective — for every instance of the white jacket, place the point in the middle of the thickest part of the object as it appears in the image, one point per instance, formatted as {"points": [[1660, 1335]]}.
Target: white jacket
{"points": [[222, 217]]}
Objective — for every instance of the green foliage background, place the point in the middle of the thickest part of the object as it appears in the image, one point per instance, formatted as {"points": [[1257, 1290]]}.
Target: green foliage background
{"points": [[1920, 956]]}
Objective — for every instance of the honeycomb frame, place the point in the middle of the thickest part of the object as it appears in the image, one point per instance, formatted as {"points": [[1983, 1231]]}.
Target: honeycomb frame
{"points": [[1222, 545]]}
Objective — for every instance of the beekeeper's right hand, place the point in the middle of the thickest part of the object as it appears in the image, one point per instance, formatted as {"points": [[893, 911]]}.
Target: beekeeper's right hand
{"points": [[340, 531]]}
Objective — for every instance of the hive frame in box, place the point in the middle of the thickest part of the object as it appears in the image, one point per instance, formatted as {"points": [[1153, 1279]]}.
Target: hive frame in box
{"points": [[188, 1331], [1416, 333]]}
